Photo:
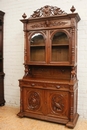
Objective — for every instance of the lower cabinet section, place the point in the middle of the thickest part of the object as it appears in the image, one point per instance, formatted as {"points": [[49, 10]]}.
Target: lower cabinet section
{"points": [[47, 102]]}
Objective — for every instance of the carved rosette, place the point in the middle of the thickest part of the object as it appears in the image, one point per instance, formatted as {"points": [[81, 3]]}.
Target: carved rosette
{"points": [[33, 100], [47, 11], [58, 103]]}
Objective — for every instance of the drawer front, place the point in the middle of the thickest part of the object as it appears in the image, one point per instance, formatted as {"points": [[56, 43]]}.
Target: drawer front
{"points": [[44, 85]]}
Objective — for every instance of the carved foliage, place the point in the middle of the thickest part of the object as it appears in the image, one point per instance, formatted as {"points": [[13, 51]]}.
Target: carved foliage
{"points": [[33, 100], [49, 24], [47, 11]]}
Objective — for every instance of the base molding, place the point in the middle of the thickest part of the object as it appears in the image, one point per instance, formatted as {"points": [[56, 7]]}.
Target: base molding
{"points": [[67, 123], [71, 124]]}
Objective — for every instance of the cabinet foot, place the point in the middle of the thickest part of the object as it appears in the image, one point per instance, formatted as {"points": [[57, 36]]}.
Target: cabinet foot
{"points": [[2, 103], [71, 124], [20, 114]]}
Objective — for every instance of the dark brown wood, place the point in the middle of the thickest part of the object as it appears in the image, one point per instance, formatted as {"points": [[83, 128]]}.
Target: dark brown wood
{"points": [[2, 101], [49, 87]]}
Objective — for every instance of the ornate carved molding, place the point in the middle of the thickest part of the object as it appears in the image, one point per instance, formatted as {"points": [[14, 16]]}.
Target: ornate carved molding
{"points": [[47, 11], [49, 24]]}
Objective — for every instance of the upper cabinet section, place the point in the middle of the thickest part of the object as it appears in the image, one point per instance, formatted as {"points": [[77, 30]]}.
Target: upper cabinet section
{"points": [[50, 37]]}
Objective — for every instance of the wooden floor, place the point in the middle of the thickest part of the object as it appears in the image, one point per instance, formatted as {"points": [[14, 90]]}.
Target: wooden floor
{"points": [[10, 121]]}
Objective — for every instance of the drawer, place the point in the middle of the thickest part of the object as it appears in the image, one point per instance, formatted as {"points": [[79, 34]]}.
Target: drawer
{"points": [[42, 85]]}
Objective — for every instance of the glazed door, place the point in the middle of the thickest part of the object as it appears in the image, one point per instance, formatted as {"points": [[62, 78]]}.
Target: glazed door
{"points": [[49, 47], [59, 47], [37, 48]]}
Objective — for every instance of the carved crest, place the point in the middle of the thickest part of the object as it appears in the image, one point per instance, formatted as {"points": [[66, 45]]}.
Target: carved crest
{"points": [[47, 11]]}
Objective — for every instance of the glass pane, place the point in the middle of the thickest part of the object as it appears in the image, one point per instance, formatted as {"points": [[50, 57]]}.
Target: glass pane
{"points": [[60, 38], [60, 47], [37, 47]]}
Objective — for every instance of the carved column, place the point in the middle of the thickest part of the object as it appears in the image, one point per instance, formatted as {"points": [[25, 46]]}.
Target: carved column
{"points": [[73, 37], [71, 104]]}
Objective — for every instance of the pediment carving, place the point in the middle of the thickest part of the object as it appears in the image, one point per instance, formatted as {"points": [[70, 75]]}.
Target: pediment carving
{"points": [[47, 11]]}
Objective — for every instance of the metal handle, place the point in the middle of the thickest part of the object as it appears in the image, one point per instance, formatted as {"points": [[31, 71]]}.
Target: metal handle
{"points": [[32, 84], [58, 86]]}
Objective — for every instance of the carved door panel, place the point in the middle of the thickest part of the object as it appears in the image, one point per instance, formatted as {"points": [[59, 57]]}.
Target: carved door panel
{"points": [[58, 104], [33, 100]]}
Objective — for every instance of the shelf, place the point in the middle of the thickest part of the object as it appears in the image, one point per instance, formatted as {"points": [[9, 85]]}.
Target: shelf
{"points": [[37, 45], [37, 54], [60, 44], [52, 63], [52, 45]]}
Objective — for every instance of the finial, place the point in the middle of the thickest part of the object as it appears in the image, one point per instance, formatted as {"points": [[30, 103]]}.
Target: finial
{"points": [[72, 9], [24, 15]]}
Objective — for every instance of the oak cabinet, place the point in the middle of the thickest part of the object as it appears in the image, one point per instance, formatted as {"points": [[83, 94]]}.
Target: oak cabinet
{"points": [[49, 87], [2, 101]]}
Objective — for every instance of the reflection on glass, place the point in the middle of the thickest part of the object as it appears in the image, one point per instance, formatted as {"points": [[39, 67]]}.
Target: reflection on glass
{"points": [[37, 39], [60, 47], [37, 47]]}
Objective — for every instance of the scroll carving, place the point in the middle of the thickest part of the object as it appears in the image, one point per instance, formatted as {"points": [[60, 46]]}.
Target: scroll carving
{"points": [[47, 11]]}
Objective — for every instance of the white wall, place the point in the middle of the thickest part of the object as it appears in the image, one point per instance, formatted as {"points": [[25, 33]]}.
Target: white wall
{"points": [[13, 45]]}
